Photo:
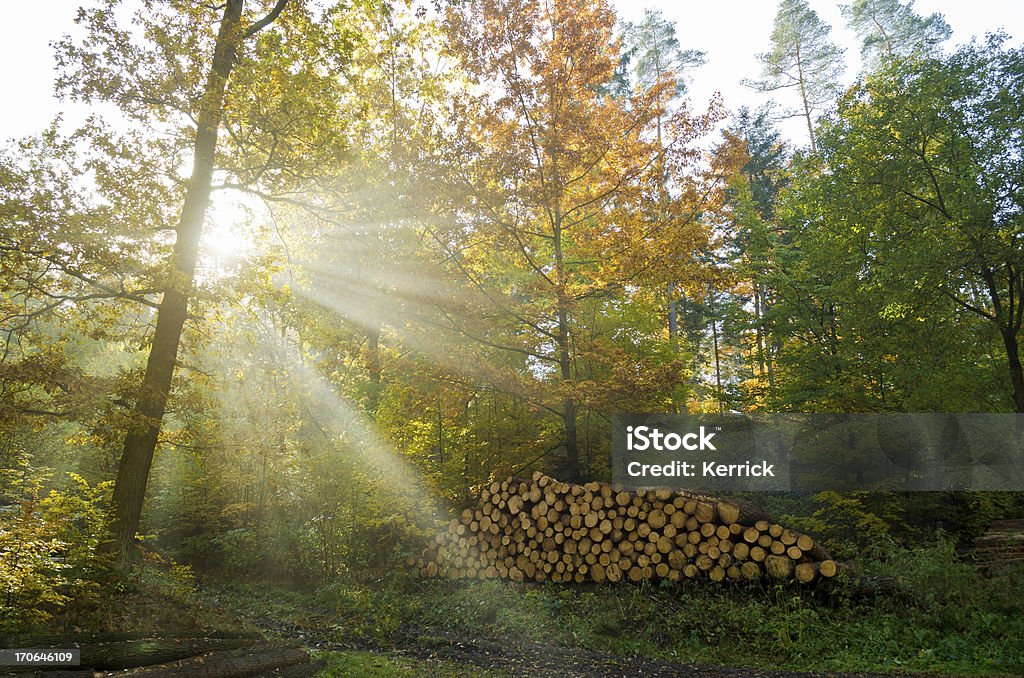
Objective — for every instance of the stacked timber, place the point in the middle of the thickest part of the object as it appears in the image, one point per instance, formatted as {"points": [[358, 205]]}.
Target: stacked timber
{"points": [[542, 529], [1000, 547]]}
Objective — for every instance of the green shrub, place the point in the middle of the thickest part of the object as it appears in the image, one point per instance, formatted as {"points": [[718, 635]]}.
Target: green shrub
{"points": [[50, 547]]}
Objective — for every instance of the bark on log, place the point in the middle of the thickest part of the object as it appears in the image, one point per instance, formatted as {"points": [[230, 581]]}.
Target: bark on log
{"points": [[126, 654], [257, 660], [735, 511]]}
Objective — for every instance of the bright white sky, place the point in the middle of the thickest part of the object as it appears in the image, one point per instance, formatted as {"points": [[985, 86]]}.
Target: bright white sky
{"points": [[732, 32]]}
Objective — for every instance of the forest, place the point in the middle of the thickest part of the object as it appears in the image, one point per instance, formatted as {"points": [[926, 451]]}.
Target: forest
{"points": [[311, 276]]}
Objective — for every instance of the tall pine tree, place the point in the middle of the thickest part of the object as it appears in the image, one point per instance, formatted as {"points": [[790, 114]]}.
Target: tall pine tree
{"points": [[803, 58]]}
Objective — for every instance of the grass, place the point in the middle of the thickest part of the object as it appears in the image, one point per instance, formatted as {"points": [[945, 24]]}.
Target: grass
{"points": [[372, 665], [941, 618]]}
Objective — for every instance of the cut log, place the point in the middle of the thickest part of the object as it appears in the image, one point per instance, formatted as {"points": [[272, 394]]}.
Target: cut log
{"points": [[814, 550], [705, 512], [263, 659], [778, 567], [750, 570], [540, 528], [806, 573], [734, 511], [127, 654]]}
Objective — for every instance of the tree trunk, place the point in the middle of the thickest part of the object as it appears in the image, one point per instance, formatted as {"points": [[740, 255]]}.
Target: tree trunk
{"points": [[759, 332], [572, 453], [440, 435], [804, 100], [141, 440], [1016, 372], [673, 318], [572, 449], [373, 368], [569, 408], [718, 367], [1005, 319]]}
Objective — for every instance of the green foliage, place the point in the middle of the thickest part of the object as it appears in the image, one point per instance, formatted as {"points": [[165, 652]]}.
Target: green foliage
{"points": [[50, 547], [941, 618], [951, 613], [803, 58], [374, 613], [890, 30], [853, 524], [891, 288], [651, 50], [29, 572]]}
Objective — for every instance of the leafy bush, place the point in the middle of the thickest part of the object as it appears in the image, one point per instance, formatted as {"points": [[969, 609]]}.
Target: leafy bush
{"points": [[31, 576], [852, 524], [50, 555]]}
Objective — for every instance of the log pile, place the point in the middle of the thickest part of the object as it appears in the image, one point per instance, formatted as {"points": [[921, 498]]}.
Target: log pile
{"points": [[543, 529], [1000, 547]]}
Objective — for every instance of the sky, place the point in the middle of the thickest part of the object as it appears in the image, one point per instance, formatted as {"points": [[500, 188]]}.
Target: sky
{"points": [[732, 32]]}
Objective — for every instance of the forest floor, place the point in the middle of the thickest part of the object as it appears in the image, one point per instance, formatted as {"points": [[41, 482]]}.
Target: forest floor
{"points": [[505, 657], [449, 654], [432, 651], [943, 621]]}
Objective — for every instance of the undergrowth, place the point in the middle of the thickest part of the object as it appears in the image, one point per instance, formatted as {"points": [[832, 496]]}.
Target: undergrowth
{"points": [[936, 615]]}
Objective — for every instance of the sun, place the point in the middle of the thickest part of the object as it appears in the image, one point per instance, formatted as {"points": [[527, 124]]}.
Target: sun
{"points": [[229, 236]]}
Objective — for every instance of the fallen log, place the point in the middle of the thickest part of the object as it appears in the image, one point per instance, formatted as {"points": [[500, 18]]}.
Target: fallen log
{"points": [[262, 659], [126, 654], [37, 672]]}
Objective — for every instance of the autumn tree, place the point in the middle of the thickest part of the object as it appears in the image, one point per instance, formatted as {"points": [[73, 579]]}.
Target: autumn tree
{"points": [[802, 58], [559, 187], [651, 52], [179, 75]]}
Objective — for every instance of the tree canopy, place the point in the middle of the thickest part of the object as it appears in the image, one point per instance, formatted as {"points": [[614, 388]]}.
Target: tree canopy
{"points": [[312, 268]]}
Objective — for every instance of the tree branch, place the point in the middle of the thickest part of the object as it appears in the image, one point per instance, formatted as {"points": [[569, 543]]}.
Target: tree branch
{"points": [[258, 26], [970, 307]]}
